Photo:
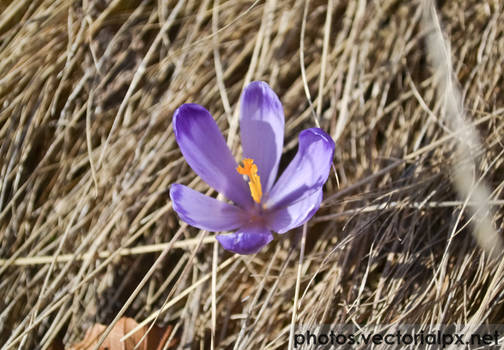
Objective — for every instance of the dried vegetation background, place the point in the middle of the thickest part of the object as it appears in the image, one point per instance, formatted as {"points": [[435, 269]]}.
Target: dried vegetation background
{"points": [[87, 232]]}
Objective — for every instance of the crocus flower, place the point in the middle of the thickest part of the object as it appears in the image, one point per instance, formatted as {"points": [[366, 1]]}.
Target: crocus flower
{"points": [[260, 204]]}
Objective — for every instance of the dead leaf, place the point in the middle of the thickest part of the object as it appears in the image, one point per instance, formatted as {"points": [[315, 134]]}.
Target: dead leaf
{"points": [[155, 339]]}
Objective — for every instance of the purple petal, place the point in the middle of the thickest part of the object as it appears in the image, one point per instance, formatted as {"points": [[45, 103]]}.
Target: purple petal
{"points": [[247, 240], [262, 130], [295, 214], [205, 150], [307, 172], [205, 212]]}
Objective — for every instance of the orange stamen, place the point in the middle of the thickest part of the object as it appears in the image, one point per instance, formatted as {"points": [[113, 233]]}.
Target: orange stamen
{"points": [[250, 169]]}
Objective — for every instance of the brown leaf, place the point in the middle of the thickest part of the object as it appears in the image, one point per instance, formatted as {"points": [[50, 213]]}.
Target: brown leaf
{"points": [[155, 339]]}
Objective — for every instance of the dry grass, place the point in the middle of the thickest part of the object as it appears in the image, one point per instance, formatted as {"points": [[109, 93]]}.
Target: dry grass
{"points": [[410, 214]]}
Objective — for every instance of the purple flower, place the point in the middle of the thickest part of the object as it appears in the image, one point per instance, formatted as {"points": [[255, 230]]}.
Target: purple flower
{"points": [[260, 205]]}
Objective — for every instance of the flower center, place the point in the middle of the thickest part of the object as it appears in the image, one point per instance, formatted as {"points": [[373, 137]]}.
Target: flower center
{"points": [[249, 169]]}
